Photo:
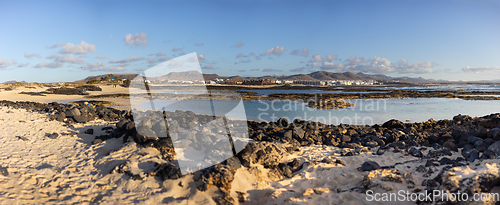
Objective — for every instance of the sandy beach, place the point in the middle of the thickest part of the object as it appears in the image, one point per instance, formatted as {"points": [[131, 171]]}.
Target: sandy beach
{"points": [[51, 160], [15, 95]]}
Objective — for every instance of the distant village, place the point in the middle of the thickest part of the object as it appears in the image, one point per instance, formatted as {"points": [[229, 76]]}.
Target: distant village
{"points": [[230, 81], [273, 82]]}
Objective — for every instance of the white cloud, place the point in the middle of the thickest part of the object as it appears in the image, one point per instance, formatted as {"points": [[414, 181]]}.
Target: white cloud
{"points": [[276, 51], [468, 69], [304, 52], [22, 65], [150, 60], [49, 65], [4, 63], [254, 69], [317, 58], [127, 60], [240, 55], [83, 48], [245, 61], [353, 60], [14, 61], [160, 53], [198, 44], [176, 49], [66, 59], [239, 44], [271, 70], [373, 65], [201, 58], [166, 58], [54, 46], [101, 67], [331, 57], [29, 55], [403, 66], [209, 67], [425, 64], [136, 39], [101, 57], [332, 66]]}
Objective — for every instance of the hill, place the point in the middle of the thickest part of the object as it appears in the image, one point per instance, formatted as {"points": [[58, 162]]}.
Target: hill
{"points": [[99, 77], [318, 75]]}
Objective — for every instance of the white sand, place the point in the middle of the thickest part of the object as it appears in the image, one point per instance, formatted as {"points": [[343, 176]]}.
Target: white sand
{"points": [[70, 169], [14, 95]]}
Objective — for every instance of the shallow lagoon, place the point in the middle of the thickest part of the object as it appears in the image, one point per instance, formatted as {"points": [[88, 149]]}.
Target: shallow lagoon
{"points": [[365, 111]]}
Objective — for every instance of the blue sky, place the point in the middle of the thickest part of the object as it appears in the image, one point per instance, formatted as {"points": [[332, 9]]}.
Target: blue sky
{"points": [[51, 41]]}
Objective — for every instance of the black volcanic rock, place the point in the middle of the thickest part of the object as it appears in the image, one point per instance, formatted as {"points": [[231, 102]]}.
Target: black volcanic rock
{"points": [[370, 165], [391, 124]]}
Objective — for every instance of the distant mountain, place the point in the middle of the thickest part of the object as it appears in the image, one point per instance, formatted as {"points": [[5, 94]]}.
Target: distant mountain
{"points": [[318, 75], [186, 75], [99, 77], [13, 81], [299, 77]]}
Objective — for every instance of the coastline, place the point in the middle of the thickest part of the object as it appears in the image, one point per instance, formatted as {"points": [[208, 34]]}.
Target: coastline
{"points": [[339, 163]]}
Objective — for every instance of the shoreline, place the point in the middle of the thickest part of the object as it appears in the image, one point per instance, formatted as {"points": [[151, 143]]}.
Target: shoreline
{"points": [[382, 158]]}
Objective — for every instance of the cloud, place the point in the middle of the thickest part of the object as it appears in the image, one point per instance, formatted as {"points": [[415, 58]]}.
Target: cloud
{"points": [[304, 52], [271, 70], [66, 59], [176, 49], [160, 54], [110, 35], [198, 44], [276, 51], [245, 61], [14, 61], [241, 55], [468, 69], [166, 58], [136, 39], [29, 55], [201, 57], [150, 60], [4, 63], [239, 44], [209, 67], [242, 71], [101, 57], [331, 57], [22, 65], [101, 67], [54, 46], [425, 64], [83, 48], [254, 69], [421, 67], [353, 61], [127, 60], [331, 66], [49, 65], [373, 65], [317, 58]]}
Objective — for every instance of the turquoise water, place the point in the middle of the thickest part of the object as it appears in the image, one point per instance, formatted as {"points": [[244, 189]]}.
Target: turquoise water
{"points": [[365, 111]]}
